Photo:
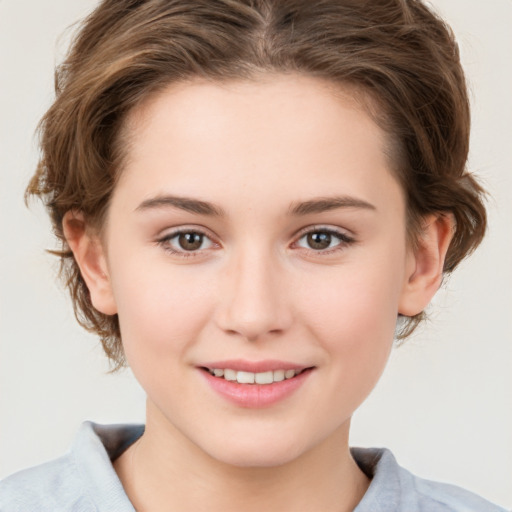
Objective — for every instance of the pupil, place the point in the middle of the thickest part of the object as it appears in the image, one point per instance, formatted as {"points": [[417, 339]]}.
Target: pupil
{"points": [[319, 240], [190, 241]]}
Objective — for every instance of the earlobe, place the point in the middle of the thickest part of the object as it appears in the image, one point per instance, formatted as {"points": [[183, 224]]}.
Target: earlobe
{"points": [[425, 264], [90, 257]]}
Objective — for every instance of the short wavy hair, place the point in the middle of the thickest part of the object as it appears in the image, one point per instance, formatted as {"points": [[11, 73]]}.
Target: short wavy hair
{"points": [[398, 53]]}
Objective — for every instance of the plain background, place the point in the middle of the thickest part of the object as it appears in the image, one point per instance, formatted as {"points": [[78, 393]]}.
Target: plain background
{"points": [[444, 403]]}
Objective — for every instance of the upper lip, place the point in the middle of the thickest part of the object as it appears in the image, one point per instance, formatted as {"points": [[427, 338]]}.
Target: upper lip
{"points": [[254, 366]]}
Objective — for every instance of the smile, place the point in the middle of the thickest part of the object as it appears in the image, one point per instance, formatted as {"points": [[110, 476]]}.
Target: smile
{"points": [[244, 377], [267, 384]]}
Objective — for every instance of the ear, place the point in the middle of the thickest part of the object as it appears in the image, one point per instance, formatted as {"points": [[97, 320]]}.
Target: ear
{"points": [[425, 262], [90, 257]]}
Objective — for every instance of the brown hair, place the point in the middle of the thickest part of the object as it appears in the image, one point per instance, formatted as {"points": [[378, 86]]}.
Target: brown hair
{"points": [[398, 52]]}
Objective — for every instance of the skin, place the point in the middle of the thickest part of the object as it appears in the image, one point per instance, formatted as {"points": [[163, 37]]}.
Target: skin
{"points": [[255, 289]]}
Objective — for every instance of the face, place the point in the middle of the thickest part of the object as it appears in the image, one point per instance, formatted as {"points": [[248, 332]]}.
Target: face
{"points": [[257, 231]]}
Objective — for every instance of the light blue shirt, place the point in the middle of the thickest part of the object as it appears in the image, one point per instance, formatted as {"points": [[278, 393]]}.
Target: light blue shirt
{"points": [[84, 480]]}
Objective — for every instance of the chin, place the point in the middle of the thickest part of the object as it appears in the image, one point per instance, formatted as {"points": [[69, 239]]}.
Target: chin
{"points": [[251, 451], [257, 457]]}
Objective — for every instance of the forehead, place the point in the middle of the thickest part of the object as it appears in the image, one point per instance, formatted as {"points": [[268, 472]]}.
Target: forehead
{"points": [[250, 138], [291, 96]]}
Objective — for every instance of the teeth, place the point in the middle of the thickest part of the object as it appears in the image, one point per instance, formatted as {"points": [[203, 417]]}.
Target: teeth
{"points": [[245, 377], [229, 374], [279, 375], [253, 378], [264, 378], [288, 374]]}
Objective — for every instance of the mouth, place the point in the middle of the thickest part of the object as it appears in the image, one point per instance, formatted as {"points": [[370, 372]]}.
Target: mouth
{"points": [[255, 384], [261, 378]]}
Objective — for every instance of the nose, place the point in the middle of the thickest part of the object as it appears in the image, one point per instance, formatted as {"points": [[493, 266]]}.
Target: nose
{"points": [[253, 298]]}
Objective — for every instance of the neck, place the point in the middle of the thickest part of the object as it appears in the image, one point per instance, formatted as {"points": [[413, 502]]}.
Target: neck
{"points": [[164, 468]]}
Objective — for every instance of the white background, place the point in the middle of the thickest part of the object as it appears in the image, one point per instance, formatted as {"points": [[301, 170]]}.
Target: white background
{"points": [[444, 403]]}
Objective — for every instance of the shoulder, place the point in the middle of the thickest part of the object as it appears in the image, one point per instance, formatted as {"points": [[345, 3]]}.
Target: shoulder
{"points": [[393, 488], [54, 486], [450, 498], [83, 480]]}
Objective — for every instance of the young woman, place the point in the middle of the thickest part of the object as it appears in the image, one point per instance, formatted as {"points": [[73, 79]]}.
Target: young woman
{"points": [[254, 198]]}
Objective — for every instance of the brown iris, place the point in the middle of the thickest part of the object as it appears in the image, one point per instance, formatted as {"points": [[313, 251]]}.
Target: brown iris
{"points": [[319, 240], [190, 241]]}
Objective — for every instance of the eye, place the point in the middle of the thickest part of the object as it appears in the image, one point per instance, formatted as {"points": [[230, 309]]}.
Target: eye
{"points": [[186, 241], [323, 240]]}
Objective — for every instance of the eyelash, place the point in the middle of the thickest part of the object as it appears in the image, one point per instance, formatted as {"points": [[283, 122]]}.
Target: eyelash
{"points": [[165, 242], [343, 241]]}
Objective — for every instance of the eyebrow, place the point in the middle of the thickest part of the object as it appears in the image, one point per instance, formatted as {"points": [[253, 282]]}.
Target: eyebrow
{"points": [[325, 204], [317, 205], [183, 203]]}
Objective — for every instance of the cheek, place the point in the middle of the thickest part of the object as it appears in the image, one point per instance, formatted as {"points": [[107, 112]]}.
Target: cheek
{"points": [[357, 331], [353, 317], [356, 303], [160, 309]]}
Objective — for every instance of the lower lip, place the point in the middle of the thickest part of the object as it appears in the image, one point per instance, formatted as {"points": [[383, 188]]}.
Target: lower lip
{"points": [[255, 396]]}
